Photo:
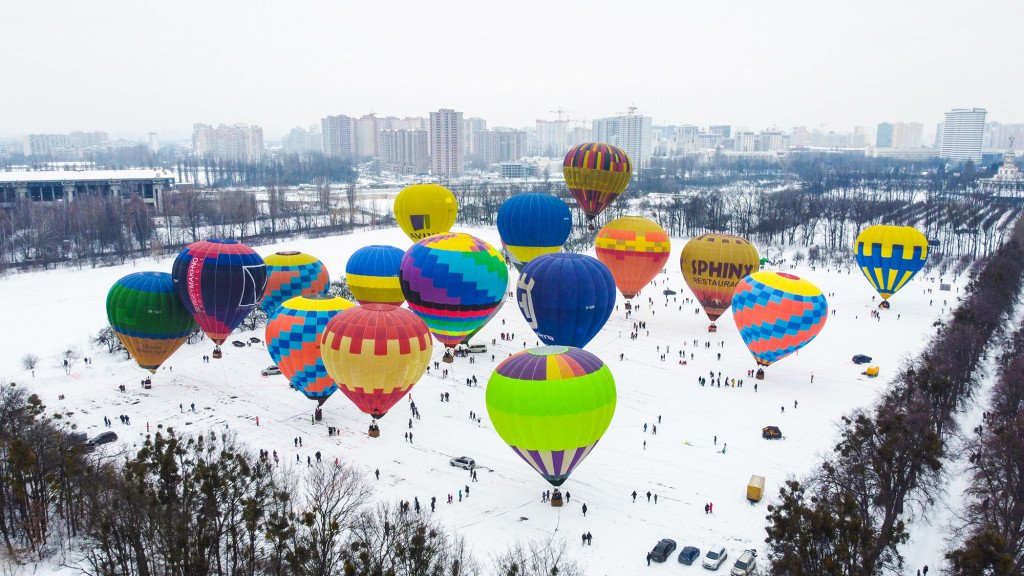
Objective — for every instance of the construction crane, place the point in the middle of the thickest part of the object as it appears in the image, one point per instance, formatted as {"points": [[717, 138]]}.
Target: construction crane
{"points": [[560, 112]]}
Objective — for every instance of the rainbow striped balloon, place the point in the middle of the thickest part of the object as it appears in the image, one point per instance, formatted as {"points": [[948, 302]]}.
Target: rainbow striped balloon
{"points": [[551, 405], [293, 341], [777, 314], [291, 274], [454, 282]]}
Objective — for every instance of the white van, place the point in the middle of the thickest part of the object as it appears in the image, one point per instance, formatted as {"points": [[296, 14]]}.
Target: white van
{"points": [[477, 348]]}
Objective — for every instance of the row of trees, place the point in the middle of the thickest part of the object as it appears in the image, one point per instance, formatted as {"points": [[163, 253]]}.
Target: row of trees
{"points": [[848, 518], [205, 505]]}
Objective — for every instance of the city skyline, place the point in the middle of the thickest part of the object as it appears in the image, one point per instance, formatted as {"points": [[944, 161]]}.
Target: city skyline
{"points": [[754, 65]]}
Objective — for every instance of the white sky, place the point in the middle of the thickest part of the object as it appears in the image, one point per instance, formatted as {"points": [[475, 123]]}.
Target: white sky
{"points": [[132, 66]]}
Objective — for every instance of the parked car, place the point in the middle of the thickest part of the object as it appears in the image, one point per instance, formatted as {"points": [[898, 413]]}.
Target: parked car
{"points": [[80, 437], [668, 292], [662, 550], [745, 564], [104, 438], [254, 340], [464, 462], [688, 554], [271, 371], [771, 432], [861, 359], [238, 344], [477, 348], [714, 557]]}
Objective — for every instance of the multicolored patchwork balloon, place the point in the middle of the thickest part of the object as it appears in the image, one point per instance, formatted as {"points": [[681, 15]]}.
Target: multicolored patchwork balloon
{"points": [[372, 275], [635, 249], [219, 282], [712, 265], [533, 224], [551, 405], [376, 353], [596, 174], [293, 341], [454, 282], [777, 314], [423, 210], [291, 274], [566, 298], [889, 256], [148, 318]]}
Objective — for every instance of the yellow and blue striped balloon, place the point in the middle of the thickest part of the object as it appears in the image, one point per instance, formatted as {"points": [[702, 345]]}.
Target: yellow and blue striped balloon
{"points": [[889, 256], [372, 275]]}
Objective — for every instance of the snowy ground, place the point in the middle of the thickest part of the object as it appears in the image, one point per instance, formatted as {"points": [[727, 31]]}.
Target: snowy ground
{"points": [[48, 311]]}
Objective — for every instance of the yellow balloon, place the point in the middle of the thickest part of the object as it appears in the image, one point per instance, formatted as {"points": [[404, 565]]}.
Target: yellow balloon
{"points": [[713, 264], [424, 210]]}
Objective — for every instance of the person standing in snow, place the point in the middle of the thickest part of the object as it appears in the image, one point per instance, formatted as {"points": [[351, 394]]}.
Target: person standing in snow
{"points": [[648, 495], [634, 496], [707, 507], [584, 510], [583, 539]]}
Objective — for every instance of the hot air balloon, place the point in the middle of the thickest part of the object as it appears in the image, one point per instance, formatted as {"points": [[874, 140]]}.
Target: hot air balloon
{"points": [[454, 282], [635, 249], [376, 352], [293, 341], [596, 174], [566, 298], [533, 224], [889, 256], [219, 282], [712, 265], [777, 314], [551, 405], [291, 274], [372, 275], [148, 318], [423, 210]]}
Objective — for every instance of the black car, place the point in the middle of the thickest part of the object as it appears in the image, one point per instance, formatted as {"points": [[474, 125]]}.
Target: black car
{"points": [[104, 438], [663, 550], [861, 359], [238, 344], [771, 432], [688, 554]]}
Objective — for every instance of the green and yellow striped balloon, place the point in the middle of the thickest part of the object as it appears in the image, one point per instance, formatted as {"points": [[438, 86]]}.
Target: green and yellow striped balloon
{"points": [[551, 405], [148, 317]]}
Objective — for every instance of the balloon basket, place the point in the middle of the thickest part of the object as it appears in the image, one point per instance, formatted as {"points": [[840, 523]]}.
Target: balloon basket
{"points": [[759, 374], [448, 358], [627, 305], [884, 305], [216, 353], [374, 433], [712, 328], [589, 227], [318, 415], [556, 501]]}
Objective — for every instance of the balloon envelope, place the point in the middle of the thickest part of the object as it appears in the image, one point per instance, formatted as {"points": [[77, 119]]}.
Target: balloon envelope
{"points": [[712, 265], [889, 256], [551, 405], [376, 352], [219, 282], [777, 314], [635, 249], [596, 174], [454, 282], [293, 341], [372, 275], [423, 210], [291, 274], [533, 224], [566, 298], [147, 317]]}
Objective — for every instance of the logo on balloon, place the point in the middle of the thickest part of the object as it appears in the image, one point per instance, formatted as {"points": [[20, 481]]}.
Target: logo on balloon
{"points": [[250, 292], [526, 284], [420, 221], [721, 270]]}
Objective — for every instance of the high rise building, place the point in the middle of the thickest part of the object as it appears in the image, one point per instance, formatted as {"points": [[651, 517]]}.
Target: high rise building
{"points": [[62, 145], [472, 128], [998, 135], [501, 145], [962, 133], [237, 143], [883, 135], [447, 143], [404, 151], [907, 135], [337, 137], [552, 138], [631, 132], [577, 135], [366, 129], [745, 142], [300, 141]]}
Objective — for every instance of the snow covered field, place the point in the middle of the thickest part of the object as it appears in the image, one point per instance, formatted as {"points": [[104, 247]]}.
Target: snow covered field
{"points": [[49, 311]]}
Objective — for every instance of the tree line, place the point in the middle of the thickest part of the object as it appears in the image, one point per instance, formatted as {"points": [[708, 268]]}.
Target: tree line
{"points": [[849, 517], [207, 505]]}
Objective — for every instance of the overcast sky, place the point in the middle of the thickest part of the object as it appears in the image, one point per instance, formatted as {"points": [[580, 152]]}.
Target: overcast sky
{"points": [[134, 66]]}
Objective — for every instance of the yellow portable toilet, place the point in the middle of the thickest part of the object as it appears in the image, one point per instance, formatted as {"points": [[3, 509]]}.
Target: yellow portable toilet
{"points": [[871, 372], [755, 488]]}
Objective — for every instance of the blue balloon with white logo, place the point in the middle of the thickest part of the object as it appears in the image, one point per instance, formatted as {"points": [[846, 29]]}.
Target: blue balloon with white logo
{"points": [[566, 298]]}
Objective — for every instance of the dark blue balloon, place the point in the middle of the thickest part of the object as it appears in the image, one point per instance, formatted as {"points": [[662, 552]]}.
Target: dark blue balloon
{"points": [[566, 298], [533, 224]]}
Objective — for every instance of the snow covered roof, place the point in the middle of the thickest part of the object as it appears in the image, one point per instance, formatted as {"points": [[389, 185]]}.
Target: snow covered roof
{"points": [[70, 175]]}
